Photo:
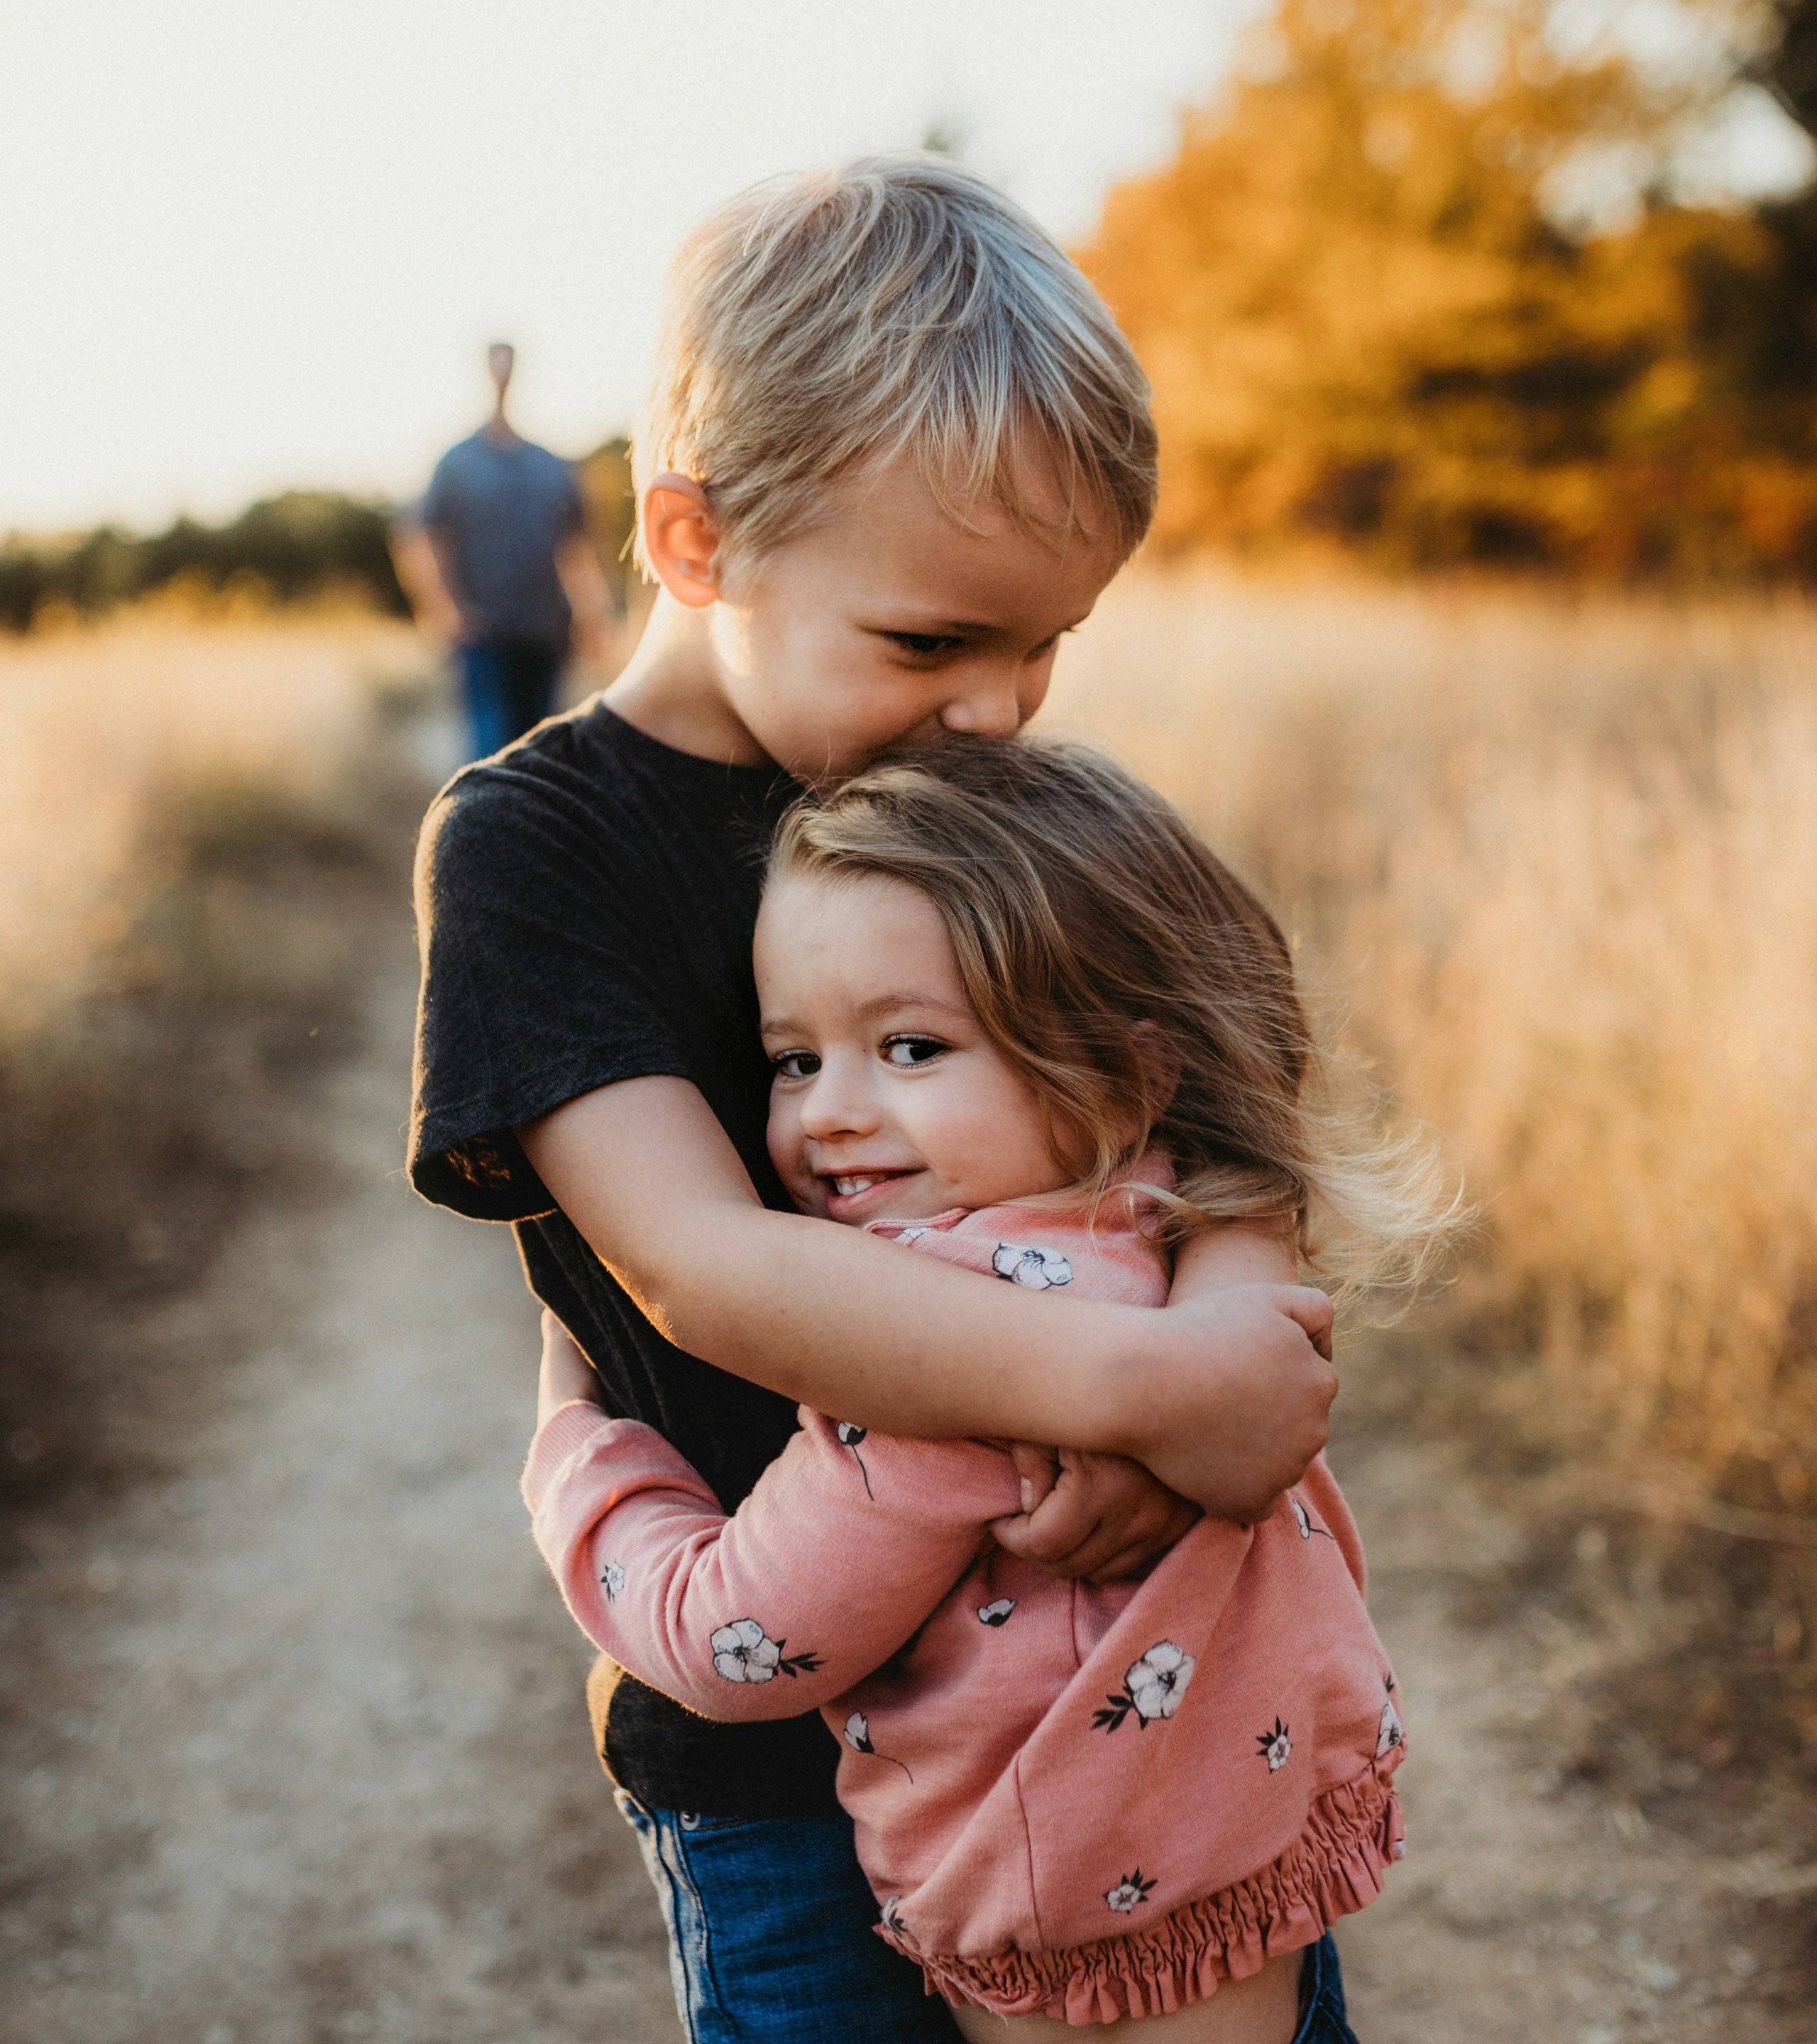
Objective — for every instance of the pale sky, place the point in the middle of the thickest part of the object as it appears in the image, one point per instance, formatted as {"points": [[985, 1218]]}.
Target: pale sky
{"points": [[245, 244], [248, 243]]}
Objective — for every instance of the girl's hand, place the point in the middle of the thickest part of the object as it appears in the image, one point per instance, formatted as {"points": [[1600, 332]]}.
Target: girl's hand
{"points": [[1101, 1517], [566, 1374]]}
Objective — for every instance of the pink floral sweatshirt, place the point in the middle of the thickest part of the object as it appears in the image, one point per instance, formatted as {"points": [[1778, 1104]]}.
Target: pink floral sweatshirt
{"points": [[1083, 1802]]}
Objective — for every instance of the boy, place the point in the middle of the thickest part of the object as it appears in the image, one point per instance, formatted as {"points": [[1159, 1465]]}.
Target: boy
{"points": [[895, 448]]}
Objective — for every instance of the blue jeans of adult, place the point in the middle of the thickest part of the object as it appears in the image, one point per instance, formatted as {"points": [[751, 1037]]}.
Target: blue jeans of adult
{"points": [[508, 685], [770, 1938]]}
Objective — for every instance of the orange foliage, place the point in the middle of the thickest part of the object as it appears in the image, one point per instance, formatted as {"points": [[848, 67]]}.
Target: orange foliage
{"points": [[1368, 330]]}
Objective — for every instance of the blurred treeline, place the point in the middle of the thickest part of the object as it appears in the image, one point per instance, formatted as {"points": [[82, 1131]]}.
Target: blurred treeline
{"points": [[1432, 282], [305, 545]]}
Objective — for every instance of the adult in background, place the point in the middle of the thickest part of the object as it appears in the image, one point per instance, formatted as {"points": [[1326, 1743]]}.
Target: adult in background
{"points": [[497, 566]]}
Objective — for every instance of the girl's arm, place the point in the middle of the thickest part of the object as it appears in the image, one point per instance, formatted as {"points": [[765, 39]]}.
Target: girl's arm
{"points": [[847, 1544], [1223, 1397]]}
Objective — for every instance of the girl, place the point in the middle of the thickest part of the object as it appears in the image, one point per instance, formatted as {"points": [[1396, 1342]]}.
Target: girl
{"points": [[1022, 1019]]}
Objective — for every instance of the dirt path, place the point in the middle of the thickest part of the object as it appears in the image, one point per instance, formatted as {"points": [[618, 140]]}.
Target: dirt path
{"points": [[301, 1756], [306, 1757]]}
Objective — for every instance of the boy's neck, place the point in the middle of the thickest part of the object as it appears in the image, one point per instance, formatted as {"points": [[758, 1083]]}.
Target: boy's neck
{"points": [[673, 690]]}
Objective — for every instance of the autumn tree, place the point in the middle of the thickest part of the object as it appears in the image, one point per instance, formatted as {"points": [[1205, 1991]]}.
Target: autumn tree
{"points": [[1414, 285]]}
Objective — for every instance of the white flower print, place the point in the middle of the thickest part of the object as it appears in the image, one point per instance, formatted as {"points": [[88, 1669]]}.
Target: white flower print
{"points": [[1040, 1270], [857, 1738], [997, 1613], [1307, 1523], [1273, 1746], [1152, 1688], [851, 1434], [612, 1579], [743, 1652], [1392, 1731], [913, 1234], [1130, 1890], [892, 1917]]}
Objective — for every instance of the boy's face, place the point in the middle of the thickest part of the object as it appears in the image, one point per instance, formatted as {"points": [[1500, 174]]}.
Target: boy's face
{"points": [[891, 621]]}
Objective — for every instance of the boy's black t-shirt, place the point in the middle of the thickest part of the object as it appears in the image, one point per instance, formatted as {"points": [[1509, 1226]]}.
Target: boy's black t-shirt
{"points": [[585, 902]]}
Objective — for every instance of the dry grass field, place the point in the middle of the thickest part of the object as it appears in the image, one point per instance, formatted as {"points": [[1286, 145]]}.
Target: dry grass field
{"points": [[113, 738], [1553, 864]]}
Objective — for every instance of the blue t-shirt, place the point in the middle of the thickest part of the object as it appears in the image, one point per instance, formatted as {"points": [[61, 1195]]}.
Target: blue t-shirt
{"points": [[499, 510]]}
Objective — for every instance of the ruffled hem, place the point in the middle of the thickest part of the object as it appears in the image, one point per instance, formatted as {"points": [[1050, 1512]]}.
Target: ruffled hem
{"points": [[1353, 1833]]}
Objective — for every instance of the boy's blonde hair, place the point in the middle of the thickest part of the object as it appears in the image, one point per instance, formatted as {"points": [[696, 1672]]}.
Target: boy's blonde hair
{"points": [[1144, 994], [821, 323]]}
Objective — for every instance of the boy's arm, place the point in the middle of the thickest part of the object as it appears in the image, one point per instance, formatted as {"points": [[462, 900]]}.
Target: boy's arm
{"points": [[1224, 1398], [1103, 1517], [847, 1543]]}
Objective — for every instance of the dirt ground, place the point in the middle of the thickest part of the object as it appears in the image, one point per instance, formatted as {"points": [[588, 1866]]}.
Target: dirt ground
{"points": [[295, 1750]]}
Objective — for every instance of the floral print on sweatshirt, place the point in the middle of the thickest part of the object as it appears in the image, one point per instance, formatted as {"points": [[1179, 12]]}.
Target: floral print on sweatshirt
{"points": [[743, 1652], [1130, 1890], [1040, 1269], [1274, 1746], [1152, 1689]]}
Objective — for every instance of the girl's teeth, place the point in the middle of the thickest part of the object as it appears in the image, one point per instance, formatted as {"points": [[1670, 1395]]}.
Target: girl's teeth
{"points": [[847, 1187]]}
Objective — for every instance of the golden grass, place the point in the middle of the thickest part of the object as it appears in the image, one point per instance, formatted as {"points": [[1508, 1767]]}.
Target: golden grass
{"points": [[109, 736], [1558, 860]]}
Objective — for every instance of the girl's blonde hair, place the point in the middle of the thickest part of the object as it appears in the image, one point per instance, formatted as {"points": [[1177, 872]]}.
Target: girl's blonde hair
{"points": [[1145, 993], [819, 325]]}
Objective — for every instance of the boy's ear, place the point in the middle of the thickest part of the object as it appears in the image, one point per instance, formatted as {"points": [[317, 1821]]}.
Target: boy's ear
{"points": [[680, 540]]}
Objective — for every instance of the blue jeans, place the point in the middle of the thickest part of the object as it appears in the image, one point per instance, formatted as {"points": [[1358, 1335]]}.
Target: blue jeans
{"points": [[1322, 2018], [507, 689], [770, 1938], [769, 1933]]}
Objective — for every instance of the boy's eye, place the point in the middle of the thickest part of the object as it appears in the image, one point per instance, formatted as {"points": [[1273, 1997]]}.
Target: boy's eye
{"points": [[911, 1050], [795, 1064], [924, 645]]}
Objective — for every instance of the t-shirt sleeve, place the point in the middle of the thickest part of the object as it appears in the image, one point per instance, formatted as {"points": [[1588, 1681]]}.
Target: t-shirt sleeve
{"points": [[536, 985]]}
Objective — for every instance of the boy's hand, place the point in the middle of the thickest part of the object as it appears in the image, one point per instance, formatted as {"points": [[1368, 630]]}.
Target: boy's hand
{"points": [[566, 1374], [1100, 1517], [1237, 1394]]}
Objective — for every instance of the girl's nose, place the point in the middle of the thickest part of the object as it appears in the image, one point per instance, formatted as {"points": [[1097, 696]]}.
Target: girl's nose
{"points": [[838, 1103]]}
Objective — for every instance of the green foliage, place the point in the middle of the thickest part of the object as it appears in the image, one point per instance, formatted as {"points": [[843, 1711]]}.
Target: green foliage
{"points": [[1370, 328], [289, 549], [611, 501], [301, 545]]}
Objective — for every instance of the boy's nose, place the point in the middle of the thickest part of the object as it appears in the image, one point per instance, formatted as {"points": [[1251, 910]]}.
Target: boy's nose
{"points": [[992, 711], [994, 699]]}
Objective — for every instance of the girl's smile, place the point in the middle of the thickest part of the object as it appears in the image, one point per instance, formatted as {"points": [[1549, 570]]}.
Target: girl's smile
{"points": [[889, 1099], [860, 1196]]}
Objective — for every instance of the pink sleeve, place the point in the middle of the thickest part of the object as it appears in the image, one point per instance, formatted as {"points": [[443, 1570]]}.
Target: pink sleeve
{"points": [[847, 1543]]}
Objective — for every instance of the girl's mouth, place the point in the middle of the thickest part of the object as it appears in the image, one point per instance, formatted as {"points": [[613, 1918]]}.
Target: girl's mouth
{"points": [[852, 1195]]}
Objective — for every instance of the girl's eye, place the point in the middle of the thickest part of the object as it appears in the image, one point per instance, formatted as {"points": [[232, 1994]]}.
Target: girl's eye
{"points": [[907, 1051], [795, 1065], [923, 645]]}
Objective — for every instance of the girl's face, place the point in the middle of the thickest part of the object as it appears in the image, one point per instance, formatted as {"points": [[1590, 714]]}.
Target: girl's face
{"points": [[888, 1099]]}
